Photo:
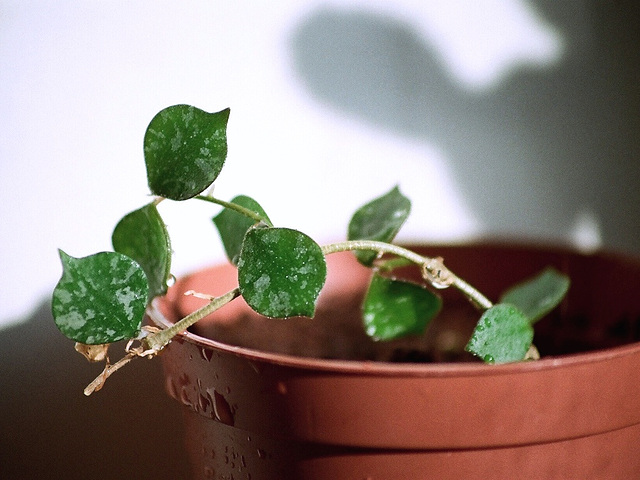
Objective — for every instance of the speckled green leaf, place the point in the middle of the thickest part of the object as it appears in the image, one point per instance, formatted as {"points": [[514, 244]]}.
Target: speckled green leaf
{"points": [[503, 334], [100, 298], [539, 295], [142, 235], [395, 308], [380, 219], [281, 272], [233, 225], [184, 150]]}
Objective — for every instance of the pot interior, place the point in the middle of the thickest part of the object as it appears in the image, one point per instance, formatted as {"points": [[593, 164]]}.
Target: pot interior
{"points": [[602, 308]]}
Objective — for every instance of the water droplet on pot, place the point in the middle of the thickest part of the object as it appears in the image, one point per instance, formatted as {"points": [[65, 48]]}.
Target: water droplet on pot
{"points": [[184, 397], [209, 472], [256, 368], [206, 353], [282, 388], [221, 410], [184, 380], [261, 453], [203, 403], [171, 388]]}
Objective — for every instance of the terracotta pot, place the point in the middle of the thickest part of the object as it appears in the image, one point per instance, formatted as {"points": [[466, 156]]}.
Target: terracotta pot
{"points": [[300, 398]]}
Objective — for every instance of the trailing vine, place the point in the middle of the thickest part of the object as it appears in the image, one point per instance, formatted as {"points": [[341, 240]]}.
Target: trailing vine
{"points": [[101, 299]]}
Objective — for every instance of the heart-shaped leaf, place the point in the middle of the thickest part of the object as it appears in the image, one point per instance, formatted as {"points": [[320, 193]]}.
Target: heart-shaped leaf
{"points": [[539, 295], [100, 298], [380, 220], [281, 272], [184, 150], [395, 308], [143, 236], [503, 334], [233, 225]]}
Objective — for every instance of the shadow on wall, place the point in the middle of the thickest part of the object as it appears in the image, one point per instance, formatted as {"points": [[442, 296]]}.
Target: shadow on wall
{"points": [[531, 154], [130, 429]]}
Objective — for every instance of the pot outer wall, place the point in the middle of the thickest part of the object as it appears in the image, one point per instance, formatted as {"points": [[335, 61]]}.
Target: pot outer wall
{"points": [[256, 409]]}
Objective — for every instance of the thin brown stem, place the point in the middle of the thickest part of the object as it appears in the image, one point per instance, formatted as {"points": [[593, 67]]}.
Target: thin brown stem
{"points": [[109, 369]]}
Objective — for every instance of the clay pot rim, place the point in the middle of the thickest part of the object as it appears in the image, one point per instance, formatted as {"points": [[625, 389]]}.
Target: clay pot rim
{"points": [[368, 367]]}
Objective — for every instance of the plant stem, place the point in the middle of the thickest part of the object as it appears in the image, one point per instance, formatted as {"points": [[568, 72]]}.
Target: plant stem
{"points": [[433, 270], [391, 264], [109, 369], [477, 298], [152, 344], [157, 341], [375, 246], [238, 208]]}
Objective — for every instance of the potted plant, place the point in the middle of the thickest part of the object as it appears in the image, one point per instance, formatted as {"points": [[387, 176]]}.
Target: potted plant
{"points": [[390, 365]]}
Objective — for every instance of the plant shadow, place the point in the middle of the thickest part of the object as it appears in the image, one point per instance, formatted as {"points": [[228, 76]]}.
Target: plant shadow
{"points": [[532, 153]]}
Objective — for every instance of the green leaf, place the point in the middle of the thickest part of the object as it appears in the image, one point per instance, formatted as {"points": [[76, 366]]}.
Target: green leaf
{"points": [[380, 220], [503, 334], [233, 225], [143, 236], [539, 295], [184, 149], [281, 272], [100, 298], [394, 308]]}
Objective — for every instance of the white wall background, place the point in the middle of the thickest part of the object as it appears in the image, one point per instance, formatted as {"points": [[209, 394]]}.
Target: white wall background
{"points": [[331, 102]]}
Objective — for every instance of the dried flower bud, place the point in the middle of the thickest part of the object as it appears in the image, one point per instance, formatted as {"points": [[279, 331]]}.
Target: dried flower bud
{"points": [[93, 353]]}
